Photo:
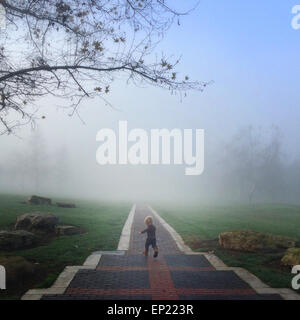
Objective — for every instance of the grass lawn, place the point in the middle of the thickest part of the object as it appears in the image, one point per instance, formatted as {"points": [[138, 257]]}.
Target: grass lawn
{"points": [[200, 227], [103, 224]]}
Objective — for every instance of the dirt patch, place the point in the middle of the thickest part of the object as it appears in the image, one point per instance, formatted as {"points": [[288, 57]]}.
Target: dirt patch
{"points": [[195, 243], [23, 281], [275, 263]]}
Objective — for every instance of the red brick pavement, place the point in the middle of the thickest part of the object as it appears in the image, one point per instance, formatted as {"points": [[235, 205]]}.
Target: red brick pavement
{"points": [[161, 282]]}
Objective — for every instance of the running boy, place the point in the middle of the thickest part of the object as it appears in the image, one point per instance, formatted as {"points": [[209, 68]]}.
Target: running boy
{"points": [[151, 237]]}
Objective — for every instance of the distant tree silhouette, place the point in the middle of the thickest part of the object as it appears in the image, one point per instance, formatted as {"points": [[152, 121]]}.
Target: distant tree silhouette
{"points": [[254, 163]]}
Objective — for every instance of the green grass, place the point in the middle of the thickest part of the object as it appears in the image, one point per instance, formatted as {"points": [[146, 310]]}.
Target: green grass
{"points": [[209, 222], [103, 224], [206, 223]]}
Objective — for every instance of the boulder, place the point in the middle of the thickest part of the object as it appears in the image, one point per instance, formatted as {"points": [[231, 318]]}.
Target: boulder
{"points": [[291, 257], [251, 241], [65, 205], [39, 201], [37, 222], [66, 230], [13, 240]]}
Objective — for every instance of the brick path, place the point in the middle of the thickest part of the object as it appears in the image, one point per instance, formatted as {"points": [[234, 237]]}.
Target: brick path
{"points": [[171, 276]]}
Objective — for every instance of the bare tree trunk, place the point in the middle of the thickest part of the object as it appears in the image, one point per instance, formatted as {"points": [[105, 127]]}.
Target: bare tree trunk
{"points": [[251, 194]]}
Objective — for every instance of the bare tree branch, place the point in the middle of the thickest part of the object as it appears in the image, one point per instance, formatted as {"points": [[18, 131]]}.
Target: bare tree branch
{"points": [[74, 49]]}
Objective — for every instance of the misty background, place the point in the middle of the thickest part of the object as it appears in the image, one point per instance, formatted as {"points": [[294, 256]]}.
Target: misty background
{"points": [[250, 115]]}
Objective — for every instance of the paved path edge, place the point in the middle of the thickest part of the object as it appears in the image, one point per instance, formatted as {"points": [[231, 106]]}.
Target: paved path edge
{"points": [[124, 241]]}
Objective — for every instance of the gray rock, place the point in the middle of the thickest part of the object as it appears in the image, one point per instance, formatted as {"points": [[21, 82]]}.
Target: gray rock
{"points": [[37, 222], [65, 205], [12, 240], [39, 201], [66, 230]]}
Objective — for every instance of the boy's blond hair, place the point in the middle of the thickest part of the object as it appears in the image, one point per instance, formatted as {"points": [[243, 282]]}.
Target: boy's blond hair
{"points": [[148, 220]]}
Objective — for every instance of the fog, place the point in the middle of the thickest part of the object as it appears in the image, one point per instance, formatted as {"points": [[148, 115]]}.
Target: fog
{"points": [[246, 163], [250, 115]]}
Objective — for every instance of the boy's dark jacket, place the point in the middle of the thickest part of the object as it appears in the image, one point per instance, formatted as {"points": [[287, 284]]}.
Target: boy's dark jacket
{"points": [[150, 232]]}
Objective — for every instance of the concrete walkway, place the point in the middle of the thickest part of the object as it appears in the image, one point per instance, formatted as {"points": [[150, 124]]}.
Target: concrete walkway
{"points": [[177, 273]]}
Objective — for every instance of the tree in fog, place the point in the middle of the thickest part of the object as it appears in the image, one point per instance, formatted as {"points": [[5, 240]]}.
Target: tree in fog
{"points": [[272, 172], [38, 168], [74, 50], [18, 170], [253, 164], [292, 174], [61, 169]]}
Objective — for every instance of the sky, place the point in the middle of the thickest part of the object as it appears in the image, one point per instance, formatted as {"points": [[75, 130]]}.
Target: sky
{"points": [[250, 52]]}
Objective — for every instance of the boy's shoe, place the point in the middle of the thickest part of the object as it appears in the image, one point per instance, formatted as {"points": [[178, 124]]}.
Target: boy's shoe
{"points": [[145, 253], [155, 253]]}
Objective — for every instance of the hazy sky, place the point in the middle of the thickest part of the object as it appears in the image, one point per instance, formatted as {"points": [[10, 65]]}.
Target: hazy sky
{"points": [[249, 50]]}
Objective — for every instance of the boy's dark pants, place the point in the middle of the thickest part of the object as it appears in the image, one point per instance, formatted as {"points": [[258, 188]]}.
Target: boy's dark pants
{"points": [[151, 242]]}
